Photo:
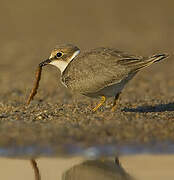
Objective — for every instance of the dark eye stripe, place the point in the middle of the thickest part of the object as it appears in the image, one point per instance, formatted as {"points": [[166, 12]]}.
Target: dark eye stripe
{"points": [[59, 54]]}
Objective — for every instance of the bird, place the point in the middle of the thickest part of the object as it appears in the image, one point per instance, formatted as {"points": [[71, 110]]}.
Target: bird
{"points": [[100, 72]]}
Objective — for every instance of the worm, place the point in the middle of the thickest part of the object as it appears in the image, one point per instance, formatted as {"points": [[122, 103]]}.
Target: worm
{"points": [[36, 85]]}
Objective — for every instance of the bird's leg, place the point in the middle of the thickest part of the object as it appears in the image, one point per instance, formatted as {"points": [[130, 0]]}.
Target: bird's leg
{"points": [[103, 99], [115, 102], [36, 169], [117, 162]]}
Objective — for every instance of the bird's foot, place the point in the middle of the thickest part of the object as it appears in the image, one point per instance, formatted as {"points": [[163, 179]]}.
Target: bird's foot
{"points": [[103, 99]]}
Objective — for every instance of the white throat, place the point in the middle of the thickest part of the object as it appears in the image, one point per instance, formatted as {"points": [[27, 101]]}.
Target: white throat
{"points": [[63, 64]]}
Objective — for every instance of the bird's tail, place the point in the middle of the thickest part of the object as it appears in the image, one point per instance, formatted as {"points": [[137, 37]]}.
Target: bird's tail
{"points": [[138, 63], [150, 60], [158, 57]]}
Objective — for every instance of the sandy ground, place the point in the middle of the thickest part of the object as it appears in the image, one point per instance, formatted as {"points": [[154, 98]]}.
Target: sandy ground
{"points": [[146, 104], [140, 167]]}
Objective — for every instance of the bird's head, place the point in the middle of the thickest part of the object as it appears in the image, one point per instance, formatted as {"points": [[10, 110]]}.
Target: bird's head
{"points": [[61, 56]]}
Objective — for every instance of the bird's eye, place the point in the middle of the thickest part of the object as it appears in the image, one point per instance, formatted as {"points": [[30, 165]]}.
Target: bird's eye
{"points": [[59, 54]]}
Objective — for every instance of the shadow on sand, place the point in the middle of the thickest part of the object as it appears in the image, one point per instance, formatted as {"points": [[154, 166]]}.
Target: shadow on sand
{"points": [[156, 108]]}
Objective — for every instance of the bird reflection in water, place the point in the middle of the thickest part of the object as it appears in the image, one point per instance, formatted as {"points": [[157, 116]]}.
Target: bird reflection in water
{"points": [[97, 169]]}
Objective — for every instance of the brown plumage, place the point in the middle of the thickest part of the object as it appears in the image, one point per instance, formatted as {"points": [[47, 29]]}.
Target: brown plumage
{"points": [[92, 71]]}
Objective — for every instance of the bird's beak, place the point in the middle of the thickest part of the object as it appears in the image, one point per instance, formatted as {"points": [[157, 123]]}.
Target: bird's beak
{"points": [[44, 63]]}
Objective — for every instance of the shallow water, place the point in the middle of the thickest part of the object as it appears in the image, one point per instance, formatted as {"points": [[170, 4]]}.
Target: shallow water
{"points": [[139, 167], [81, 160], [28, 151]]}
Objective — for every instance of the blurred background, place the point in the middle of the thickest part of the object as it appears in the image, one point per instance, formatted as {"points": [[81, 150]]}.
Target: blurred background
{"points": [[30, 29], [134, 25]]}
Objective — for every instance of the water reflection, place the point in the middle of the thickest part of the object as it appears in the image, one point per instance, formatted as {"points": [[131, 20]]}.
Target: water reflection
{"points": [[36, 169], [102, 169], [141, 167]]}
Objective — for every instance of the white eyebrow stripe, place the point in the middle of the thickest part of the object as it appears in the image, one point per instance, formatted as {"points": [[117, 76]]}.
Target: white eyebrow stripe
{"points": [[74, 55], [50, 56]]}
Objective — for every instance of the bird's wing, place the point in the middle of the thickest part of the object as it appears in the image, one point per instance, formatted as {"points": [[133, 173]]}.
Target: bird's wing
{"points": [[99, 68]]}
